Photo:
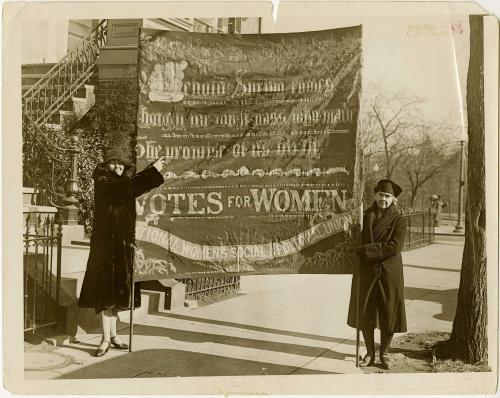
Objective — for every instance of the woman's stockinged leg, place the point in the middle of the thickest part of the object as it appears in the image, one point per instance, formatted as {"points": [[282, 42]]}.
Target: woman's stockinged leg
{"points": [[106, 333], [385, 342], [115, 340], [114, 316], [369, 337], [106, 321]]}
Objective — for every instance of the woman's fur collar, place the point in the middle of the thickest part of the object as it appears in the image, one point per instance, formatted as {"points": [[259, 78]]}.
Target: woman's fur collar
{"points": [[102, 170], [376, 227]]}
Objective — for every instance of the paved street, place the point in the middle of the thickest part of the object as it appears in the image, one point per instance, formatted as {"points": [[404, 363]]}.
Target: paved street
{"points": [[277, 325]]}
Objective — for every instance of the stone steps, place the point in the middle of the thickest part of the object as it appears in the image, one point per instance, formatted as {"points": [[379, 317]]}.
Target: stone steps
{"points": [[75, 320], [75, 107], [40, 68]]}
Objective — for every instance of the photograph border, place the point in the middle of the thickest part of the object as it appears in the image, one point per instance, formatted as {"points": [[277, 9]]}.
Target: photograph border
{"points": [[460, 383]]}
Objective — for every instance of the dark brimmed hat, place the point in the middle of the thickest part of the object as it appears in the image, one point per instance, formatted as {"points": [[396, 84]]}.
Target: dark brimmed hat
{"points": [[117, 154], [388, 186]]}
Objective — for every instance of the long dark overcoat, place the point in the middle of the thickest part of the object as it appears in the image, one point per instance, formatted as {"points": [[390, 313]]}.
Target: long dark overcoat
{"points": [[107, 278], [381, 276]]}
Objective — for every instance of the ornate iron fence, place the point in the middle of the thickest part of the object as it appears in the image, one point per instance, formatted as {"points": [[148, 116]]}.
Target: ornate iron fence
{"points": [[203, 289], [41, 269], [420, 224]]}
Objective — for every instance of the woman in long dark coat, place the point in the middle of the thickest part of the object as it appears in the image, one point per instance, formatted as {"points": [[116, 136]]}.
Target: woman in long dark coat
{"points": [[381, 280], [106, 285]]}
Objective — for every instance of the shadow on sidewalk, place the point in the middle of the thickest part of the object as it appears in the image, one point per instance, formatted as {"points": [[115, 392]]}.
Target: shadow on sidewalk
{"points": [[200, 337], [447, 299], [432, 268], [263, 329], [165, 362], [89, 348]]}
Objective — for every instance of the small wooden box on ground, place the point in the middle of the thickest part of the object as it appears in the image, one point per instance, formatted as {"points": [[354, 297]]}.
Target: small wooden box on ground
{"points": [[174, 292]]}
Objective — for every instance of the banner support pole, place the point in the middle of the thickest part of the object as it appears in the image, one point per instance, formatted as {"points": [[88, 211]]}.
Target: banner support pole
{"points": [[357, 320], [358, 287], [131, 316]]}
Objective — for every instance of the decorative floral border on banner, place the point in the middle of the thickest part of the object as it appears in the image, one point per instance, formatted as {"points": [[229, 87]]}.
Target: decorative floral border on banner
{"points": [[243, 171]]}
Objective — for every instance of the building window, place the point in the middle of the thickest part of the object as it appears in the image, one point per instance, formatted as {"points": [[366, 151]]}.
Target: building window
{"points": [[202, 26], [234, 25], [222, 25]]}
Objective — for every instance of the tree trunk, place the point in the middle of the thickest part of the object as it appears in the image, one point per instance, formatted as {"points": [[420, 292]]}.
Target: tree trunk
{"points": [[468, 340], [412, 199]]}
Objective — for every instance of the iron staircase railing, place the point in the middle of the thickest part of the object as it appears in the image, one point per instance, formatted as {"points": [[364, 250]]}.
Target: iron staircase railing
{"points": [[46, 155], [47, 95]]}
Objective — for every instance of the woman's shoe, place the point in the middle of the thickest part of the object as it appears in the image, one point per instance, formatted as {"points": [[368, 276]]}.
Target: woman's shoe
{"points": [[368, 360], [384, 362], [118, 344], [103, 348]]}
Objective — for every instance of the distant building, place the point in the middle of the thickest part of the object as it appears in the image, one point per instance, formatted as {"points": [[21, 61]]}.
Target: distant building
{"points": [[47, 41]]}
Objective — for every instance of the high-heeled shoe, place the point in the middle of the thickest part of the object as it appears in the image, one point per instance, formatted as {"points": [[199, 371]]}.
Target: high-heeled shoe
{"points": [[103, 348], [368, 360], [118, 344], [384, 362]]}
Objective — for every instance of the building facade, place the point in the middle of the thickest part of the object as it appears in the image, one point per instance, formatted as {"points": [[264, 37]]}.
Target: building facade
{"points": [[119, 57], [48, 40]]}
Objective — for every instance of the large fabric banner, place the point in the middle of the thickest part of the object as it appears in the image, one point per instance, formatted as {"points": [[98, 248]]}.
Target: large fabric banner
{"points": [[260, 136]]}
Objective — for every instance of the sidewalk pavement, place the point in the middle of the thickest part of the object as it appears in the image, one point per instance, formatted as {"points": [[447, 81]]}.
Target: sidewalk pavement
{"points": [[277, 325], [448, 228]]}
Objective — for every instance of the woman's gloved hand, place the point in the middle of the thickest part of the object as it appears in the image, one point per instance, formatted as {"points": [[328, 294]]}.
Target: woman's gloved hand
{"points": [[160, 163]]}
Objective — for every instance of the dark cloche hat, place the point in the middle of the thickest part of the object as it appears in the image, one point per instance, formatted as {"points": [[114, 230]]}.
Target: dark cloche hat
{"points": [[389, 187], [117, 154]]}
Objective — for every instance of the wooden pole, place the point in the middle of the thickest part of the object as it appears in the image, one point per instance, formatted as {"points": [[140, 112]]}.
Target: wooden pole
{"points": [[132, 294], [357, 319], [358, 287]]}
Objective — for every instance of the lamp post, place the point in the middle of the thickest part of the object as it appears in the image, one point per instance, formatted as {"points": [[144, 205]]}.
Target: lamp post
{"points": [[459, 227], [70, 209]]}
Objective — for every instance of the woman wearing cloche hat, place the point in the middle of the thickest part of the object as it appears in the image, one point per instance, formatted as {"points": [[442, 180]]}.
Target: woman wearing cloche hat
{"points": [[381, 281], [106, 286]]}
